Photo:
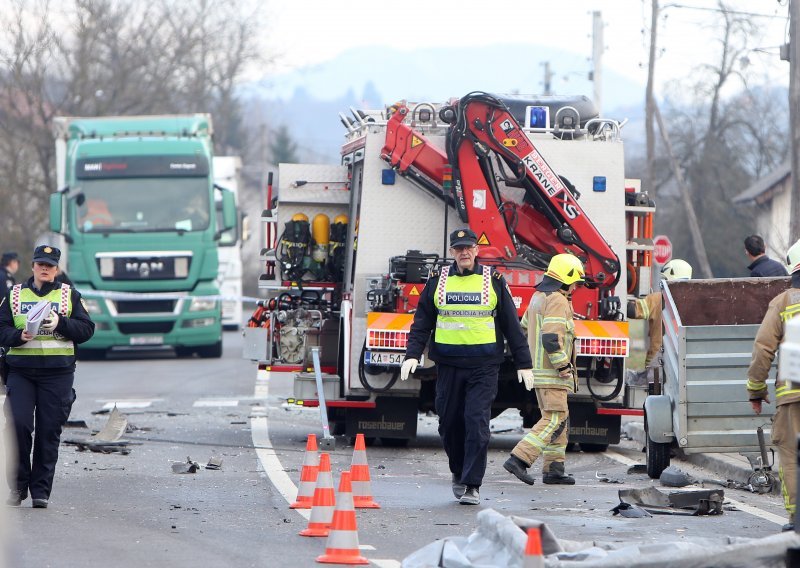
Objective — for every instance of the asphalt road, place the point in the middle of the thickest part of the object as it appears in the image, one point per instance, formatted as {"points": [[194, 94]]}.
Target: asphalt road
{"points": [[133, 510]]}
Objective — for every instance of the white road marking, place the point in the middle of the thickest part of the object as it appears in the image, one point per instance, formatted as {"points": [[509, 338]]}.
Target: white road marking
{"points": [[215, 403], [755, 511], [384, 562], [366, 547], [266, 454], [128, 403]]}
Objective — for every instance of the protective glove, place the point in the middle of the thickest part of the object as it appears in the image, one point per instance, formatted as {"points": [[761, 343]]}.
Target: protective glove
{"points": [[409, 366], [51, 322], [526, 376]]}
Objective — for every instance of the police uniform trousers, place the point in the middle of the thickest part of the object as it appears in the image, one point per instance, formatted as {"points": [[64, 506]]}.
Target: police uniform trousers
{"points": [[785, 428], [40, 397], [464, 404], [548, 437]]}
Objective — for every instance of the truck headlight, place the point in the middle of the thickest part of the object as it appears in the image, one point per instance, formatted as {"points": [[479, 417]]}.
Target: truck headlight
{"points": [[92, 306], [202, 305]]}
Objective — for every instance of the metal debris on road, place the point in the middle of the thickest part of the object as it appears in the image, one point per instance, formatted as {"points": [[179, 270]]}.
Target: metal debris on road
{"points": [[691, 502], [214, 463], [188, 466], [604, 478]]}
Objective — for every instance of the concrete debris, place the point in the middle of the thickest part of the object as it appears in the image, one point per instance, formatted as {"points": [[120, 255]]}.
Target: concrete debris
{"points": [[188, 466], [499, 542]]}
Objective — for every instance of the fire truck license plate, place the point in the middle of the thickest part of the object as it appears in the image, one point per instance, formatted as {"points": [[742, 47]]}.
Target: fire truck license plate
{"points": [[384, 358], [147, 340]]}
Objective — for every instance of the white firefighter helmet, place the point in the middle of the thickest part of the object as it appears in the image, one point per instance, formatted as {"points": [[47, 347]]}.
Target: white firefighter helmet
{"points": [[793, 257], [678, 269]]}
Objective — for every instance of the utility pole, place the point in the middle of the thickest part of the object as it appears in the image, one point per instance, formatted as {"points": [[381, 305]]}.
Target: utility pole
{"points": [[794, 118], [649, 181], [548, 78], [597, 59]]}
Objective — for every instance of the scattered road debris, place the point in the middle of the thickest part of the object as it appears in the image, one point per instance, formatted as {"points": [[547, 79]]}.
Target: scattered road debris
{"points": [[188, 466], [214, 463]]}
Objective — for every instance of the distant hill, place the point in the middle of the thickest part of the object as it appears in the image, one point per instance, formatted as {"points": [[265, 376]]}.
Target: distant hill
{"points": [[309, 100]]}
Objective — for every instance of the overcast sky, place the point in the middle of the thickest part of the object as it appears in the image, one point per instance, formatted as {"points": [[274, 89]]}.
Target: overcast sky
{"points": [[313, 31]]}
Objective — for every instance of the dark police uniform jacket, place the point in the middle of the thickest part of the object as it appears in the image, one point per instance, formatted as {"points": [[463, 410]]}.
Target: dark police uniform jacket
{"points": [[506, 325], [78, 328], [6, 281]]}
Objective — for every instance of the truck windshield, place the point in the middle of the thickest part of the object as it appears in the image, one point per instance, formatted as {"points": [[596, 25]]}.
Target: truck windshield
{"points": [[143, 205]]}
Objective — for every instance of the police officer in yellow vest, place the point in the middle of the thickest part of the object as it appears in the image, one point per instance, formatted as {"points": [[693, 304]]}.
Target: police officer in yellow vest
{"points": [[469, 309], [786, 422], [41, 374], [551, 337]]}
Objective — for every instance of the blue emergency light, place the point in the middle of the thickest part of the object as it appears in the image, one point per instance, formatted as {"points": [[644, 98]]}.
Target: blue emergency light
{"points": [[599, 183], [387, 176], [537, 117]]}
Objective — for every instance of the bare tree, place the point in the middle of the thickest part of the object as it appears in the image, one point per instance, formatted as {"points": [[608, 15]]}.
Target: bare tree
{"points": [[106, 57]]}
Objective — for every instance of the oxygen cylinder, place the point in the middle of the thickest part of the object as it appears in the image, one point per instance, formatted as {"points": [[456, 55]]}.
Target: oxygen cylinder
{"points": [[337, 247], [293, 246], [320, 230]]}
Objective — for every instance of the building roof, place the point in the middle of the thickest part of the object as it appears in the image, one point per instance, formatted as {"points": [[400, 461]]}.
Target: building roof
{"points": [[763, 189]]}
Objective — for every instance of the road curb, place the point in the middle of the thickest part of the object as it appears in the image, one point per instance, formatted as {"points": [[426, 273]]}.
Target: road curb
{"points": [[726, 466]]}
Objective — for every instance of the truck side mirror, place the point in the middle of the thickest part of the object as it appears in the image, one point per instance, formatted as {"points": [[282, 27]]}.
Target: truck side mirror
{"points": [[56, 212], [228, 210]]}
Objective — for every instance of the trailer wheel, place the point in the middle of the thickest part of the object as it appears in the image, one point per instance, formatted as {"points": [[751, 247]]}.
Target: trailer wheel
{"points": [[657, 455]]}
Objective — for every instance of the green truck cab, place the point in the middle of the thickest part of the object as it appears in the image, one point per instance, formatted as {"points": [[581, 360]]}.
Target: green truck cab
{"points": [[135, 210]]}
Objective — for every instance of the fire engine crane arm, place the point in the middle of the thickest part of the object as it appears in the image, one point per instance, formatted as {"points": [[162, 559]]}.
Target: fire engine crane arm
{"points": [[549, 221]]}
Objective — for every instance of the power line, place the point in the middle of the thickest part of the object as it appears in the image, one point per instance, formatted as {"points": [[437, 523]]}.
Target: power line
{"points": [[725, 11]]}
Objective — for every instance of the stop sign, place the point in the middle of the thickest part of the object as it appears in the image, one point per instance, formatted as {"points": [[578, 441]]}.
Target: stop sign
{"points": [[662, 249]]}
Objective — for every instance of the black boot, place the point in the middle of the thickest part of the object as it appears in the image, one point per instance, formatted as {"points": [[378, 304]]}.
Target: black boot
{"points": [[556, 475], [519, 468]]}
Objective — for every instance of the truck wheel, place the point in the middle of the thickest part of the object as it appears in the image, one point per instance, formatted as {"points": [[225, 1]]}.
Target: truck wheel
{"points": [[213, 351], [593, 448], [657, 455]]}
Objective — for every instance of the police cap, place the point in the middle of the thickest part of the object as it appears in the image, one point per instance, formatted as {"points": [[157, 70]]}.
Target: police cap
{"points": [[8, 257], [47, 254], [463, 237]]}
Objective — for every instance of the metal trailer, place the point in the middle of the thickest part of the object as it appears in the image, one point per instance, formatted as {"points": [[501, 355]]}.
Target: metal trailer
{"points": [[699, 403]]}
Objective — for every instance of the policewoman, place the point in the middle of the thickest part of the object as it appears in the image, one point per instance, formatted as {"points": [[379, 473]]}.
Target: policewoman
{"points": [[41, 374], [469, 310]]}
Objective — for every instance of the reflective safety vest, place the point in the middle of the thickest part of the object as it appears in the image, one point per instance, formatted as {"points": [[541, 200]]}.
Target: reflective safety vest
{"points": [[46, 343], [467, 306], [551, 314], [784, 388]]}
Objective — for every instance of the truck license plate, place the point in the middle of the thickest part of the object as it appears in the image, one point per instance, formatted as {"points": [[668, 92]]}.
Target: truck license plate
{"points": [[147, 340], [384, 358]]}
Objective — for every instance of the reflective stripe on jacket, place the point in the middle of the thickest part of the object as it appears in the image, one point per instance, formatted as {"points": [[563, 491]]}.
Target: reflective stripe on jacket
{"points": [[551, 338], [783, 307], [467, 307], [46, 343]]}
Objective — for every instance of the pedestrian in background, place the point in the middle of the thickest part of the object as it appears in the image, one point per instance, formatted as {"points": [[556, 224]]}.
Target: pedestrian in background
{"points": [[469, 310], [41, 375], [551, 339], [760, 264], [786, 422], [9, 264]]}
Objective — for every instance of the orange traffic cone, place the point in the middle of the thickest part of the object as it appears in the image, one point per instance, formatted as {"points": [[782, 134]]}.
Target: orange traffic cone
{"points": [[342, 545], [308, 475], [359, 470], [324, 500], [533, 549]]}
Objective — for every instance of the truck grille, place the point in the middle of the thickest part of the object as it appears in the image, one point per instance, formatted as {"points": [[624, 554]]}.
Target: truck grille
{"points": [[131, 328], [145, 306]]}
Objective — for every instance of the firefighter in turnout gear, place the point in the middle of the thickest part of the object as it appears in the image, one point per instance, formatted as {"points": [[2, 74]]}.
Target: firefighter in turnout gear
{"points": [[551, 337], [469, 310], [786, 422], [649, 308], [41, 374]]}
